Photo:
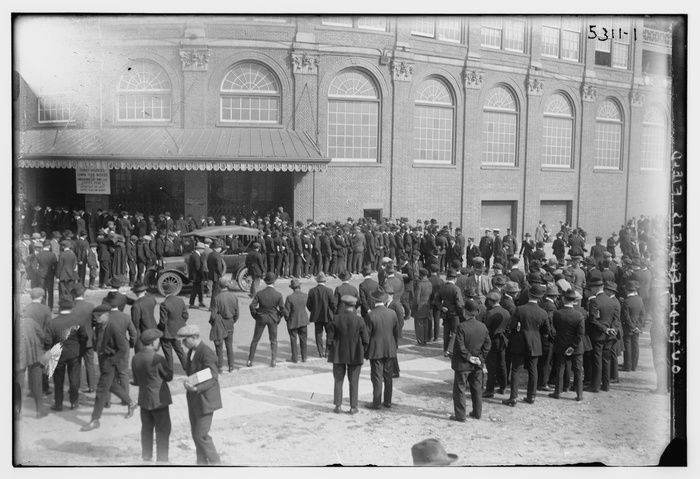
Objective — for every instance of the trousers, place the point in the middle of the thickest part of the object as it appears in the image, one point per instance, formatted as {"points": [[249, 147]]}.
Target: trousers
{"points": [[544, 365], [110, 369], [200, 424], [298, 334], [496, 366], [320, 345], [631, 353], [157, 420], [530, 363], [600, 367], [196, 292], [459, 392], [72, 366], [353, 372], [260, 325], [382, 370], [219, 346], [89, 361], [560, 363], [168, 344]]}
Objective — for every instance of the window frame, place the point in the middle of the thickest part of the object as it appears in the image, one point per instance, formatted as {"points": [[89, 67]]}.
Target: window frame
{"points": [[664, 135], [354, 22], [452, 108], [610, 121], [252, 94], [60, 99], [516, 114], [163, 93], [572, 119], [501, 30], [561, 29], [437, 32], [611, 43]]}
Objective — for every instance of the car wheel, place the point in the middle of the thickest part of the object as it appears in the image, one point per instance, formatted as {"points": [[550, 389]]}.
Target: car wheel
{"points": [[244, 280], [170, 278]]}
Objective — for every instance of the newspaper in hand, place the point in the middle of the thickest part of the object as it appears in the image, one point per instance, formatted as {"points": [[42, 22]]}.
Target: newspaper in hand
{"points": [[51, 358], [199, 377]]}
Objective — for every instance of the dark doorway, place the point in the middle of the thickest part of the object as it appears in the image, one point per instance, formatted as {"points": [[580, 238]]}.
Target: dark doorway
{"points": [[54, 187], [373, 214], [240, 193], [150, 192]]}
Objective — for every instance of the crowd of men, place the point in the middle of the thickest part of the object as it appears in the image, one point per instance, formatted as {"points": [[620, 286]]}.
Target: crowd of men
{"points": [[565, 319]]}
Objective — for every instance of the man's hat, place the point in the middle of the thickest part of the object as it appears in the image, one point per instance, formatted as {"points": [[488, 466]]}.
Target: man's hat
{"points": [[470, 306], [595, 282], [416, 255], [570, 295], [388, 289], [496, 230], [256, 245], [470, 292], [150, 335], [321, 278], [499, 280], [101, 309], [112, 299], [270, 278], [188, 330], [607, 254], [168, 288], [65, 303], [511, 287], [295, 283], [632, 285], [139, 288], [611, 286], [514, 260], [451, 273], [599, 238], [423, 272], [379, 296], [528, 235], [115, 282], [478, 260], [497, 266], [366, 270], [430, 452], [390, 269], [537, 290], [25, 236], [551, 290], [348, 300], [494, 296], [386, 260], [78, 290], [345, 276], [534, 278], [576, 257], [36, 293], [67, 244]]}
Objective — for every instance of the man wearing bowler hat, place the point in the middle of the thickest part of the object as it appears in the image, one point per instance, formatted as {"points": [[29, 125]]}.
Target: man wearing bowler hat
{"points": [[203, 398], [224, 314], [151, 375], [569, 324], [297, 320], [496, 321], [347, 342], [526, 328], [321, 306], [173, 315], [603, 332], [267, 308], [383, 331]]}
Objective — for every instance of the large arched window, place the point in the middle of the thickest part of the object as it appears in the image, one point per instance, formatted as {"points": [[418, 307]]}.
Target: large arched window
{"points": [[500, 132], [653, 139], [608, 136], [353, 117], [144, 93], [250, 93], [558, 130], [433, 122]]}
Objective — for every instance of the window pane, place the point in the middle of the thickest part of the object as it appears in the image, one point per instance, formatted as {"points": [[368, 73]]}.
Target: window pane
{"points": [[54, 109], [514, 35], [608, 140], [433, 134], [500, 98], [372, 23], [653, 139], [550, 42], [557, 141], [499, 138], [251, 78], [619, 55], [435, 92], [143, 75], [337, 21], [424, 26], [608, 110], [491, 32], [449, 29], [143, 107], [570, 45], [353, 84], [558, 105], [353, 129]]}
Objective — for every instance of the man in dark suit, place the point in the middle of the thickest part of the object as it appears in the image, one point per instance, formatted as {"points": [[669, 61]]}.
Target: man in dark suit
{"points": [[383, 331], [526, 328], [569, 324], [151, 375], [603, 329], [113, 344], [347, 342], [173, 314], [321, 306], [471, 345], [365, 290], [267, 308], [215, 268], [46, 272], [472, 251], [486, 248], [452, 305], [632, 317], [83, 310], [203, 398], [496, 321], [559, 247], [196, 274], [67, 329], [435, 303], [577, 245], [224, 314], [143, 312], [81, 249], [598, 250], [344, 288], [254, 263], [297, 320]]}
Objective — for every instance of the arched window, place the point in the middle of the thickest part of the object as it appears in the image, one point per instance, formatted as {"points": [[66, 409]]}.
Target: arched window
{"points": [[433, 122], [558, 130], [144, 93], [653, 139], [353, 117], [608, 136], [250, 93], [500, 137]]}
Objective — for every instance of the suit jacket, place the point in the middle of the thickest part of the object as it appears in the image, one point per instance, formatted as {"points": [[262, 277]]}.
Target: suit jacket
{"points": [[383, 330], [527, 326], [570, 326], [508, 304], [40, 313], [151, 374], [471, 339], [47, 264], [450, 297], [423, 304], [295, 306], [486, 247], [268, 304], [496, 321], [482, 285], [342, 290], [517, 275], [68, 329], [632, 313], [83, 310], [254, 263], [207, 399], [321, 304], [577, 245], [173, 315], [366, 287], [118, 336], [143, 313], [81, 250], [215, 266], [194, 267], [224, 313], [347, 339], [396, 284], [603, 313]]}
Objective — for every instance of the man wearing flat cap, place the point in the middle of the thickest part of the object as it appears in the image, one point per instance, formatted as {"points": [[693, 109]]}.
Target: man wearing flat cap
{"points": [[347, 342], [602, 329], [430, 452], [632, 316], [203, 398], [267, 308], [321, 306], [526, 328], [297, 321], [383, 331], [151, 375], [569, 324], [224, 314], [143, 312]]}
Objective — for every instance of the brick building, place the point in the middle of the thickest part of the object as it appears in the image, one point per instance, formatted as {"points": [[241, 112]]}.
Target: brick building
{"points": [[478, 121]]}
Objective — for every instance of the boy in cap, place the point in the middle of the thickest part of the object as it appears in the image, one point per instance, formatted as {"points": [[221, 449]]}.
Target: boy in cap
{"points": [[297, 320], [267, 308], [151, 375], [347, 340], [224, 314]]}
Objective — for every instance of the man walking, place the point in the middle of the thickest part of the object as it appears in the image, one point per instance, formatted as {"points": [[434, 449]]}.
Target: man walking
{"points": [[224, 314], [203, 398], [267, 308], [383, 331], [151, 375], [471, 345], [173, 314], [347, 342]]}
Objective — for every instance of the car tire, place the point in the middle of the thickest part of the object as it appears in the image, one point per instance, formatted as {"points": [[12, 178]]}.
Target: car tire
{"points": [[172, 278], [244, 280]]}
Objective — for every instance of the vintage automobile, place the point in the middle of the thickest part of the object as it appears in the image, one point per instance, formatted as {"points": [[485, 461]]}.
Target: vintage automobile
{"points": [[236, 240]]}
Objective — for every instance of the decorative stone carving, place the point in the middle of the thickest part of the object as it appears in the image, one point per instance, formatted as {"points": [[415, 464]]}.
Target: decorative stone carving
{"points": [[305, 64], [637, 97], [473, 79], [402, 71], [195, 59], [589, 92], [534, 86]]}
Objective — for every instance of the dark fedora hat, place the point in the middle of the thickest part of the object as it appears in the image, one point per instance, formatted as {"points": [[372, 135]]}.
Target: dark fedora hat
{"points": [[537, 290], [379, 296], [270, 278], [595, 282], [430, 452], [570, 295]]}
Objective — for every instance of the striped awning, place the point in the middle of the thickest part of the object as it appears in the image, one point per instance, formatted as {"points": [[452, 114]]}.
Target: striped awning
{"points": [[219, 149]]}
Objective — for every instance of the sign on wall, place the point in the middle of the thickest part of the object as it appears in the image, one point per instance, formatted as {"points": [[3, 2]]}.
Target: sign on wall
{"points": [[92, 181]]}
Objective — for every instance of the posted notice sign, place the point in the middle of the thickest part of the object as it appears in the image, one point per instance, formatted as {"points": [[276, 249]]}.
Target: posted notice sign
{"points": [[92, 181]]}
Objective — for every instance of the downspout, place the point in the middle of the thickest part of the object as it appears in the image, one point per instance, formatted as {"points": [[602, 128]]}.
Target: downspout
{"points": [[580, 149], [393, 113], [629, 141], [464, 134]]}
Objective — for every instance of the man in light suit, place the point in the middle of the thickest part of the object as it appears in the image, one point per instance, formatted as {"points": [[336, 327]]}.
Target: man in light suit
{"points": [[383, 330], [347, 342], [480, 281], [203, 398]]}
